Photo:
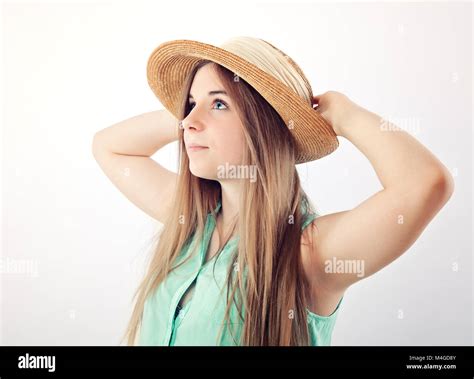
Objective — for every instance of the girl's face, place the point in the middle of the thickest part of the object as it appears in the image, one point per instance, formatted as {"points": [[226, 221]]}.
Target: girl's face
{"points": [[214, 123]]}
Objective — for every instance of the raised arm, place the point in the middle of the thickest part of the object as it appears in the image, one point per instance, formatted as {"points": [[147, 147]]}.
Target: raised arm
{"points": [[416, 185], [124, 150]]}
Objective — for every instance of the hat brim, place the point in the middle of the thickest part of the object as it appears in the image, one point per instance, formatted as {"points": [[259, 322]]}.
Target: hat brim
{"points": [[171, 62]]}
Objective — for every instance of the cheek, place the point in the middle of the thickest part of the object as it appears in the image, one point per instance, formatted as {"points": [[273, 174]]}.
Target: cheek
{"points": [[231, 145]]}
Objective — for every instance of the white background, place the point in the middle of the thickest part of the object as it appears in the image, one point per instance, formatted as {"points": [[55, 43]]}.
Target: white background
{"points": [[71, 69]]}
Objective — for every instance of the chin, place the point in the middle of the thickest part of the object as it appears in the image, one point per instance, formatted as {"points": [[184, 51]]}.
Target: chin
{"points": [[203, 173]]}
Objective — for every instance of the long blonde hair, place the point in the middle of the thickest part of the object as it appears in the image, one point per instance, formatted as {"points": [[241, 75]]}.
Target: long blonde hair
{"points": [[272, 299]]}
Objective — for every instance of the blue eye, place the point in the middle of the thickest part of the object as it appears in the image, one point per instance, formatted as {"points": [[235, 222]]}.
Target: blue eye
{"points": [[191, 105], [220, 101]]}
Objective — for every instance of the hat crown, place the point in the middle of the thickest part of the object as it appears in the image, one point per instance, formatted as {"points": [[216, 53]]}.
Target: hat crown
{"points": [[273, 61]]}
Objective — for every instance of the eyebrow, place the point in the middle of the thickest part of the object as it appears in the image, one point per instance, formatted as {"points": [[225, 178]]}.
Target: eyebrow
{"points": [[212, 93]]}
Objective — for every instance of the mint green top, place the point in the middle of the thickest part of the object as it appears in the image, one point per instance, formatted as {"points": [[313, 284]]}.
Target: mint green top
{"points": [[199, 322]]}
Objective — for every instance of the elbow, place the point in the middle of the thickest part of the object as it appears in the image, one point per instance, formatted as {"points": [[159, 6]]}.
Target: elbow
{"points": [[95, 146], [441, 186], [433, 195]]}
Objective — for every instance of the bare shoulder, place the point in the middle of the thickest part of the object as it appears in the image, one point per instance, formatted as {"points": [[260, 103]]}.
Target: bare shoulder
{"points": [[324, 299]]}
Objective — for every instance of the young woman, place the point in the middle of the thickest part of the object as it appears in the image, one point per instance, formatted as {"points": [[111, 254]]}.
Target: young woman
{"points": [[243, 258]]}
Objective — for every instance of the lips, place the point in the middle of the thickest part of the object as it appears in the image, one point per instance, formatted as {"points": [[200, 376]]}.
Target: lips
{"points": [[197, 148], [193, 144], [194, 147]]}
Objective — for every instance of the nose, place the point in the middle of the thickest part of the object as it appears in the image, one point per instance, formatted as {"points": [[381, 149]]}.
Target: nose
{"points": [[192, 121]]}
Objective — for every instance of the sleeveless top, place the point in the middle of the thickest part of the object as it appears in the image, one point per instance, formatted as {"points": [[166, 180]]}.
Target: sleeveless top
{"points": [[199, 321]]}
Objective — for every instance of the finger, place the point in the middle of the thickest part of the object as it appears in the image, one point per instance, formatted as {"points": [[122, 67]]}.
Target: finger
{"points": [[316, 99]]}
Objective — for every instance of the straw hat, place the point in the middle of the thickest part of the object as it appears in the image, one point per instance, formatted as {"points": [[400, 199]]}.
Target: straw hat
{"points": [[170, 63]]}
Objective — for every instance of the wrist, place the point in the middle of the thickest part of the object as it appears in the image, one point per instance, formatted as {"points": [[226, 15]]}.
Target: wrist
{"points": [[347, 118]]}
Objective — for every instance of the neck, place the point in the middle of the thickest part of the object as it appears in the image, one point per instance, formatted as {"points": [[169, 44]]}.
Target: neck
{"points": [[230, 198]]}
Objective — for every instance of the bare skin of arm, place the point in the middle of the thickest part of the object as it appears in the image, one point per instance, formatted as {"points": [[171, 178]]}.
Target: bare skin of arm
{"points": [[123, 151], [416, 185]]}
